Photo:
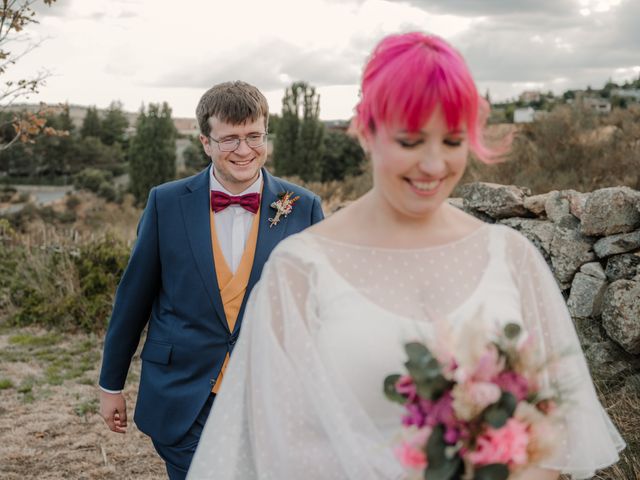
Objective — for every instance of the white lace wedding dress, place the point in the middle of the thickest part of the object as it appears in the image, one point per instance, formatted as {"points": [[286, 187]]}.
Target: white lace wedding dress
{"points": [[328, 322]]}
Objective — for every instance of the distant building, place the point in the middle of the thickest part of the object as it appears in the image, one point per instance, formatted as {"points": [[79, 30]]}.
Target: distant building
{"points": [[530, 96], [187, 127], [631, 94], [524, 115], [597, 104]]}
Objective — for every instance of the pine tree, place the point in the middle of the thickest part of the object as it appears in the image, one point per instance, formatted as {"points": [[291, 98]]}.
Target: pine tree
{"points": [[91, 125], [114, 125], [299, 137], [152, 151]]}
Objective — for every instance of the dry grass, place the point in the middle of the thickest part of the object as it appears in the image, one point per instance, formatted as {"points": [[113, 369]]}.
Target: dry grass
{"points": [[49, 426]]}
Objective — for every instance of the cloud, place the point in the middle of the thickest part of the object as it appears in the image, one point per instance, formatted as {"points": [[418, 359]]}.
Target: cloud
{"points": [[60, 8], [274, 65], [475, 8], [535, 43]]}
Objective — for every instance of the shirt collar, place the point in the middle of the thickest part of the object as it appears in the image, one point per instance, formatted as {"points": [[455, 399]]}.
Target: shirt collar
{"points": [[255, 187]]}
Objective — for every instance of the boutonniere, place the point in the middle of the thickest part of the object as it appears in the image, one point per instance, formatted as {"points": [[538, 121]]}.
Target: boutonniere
{"points": [[283, 207]]}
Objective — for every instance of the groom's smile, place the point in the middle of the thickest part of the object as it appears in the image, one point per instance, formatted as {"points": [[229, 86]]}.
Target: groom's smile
{"points": [[236, 151]]}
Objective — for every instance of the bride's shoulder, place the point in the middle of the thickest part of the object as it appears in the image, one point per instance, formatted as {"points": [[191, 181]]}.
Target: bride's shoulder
{"points": [[298, 249], [519, 245]]}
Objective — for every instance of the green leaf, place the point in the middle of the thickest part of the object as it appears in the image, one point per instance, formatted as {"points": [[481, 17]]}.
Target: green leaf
{"points": [[451, 469], [495, 471], [512, 330], [390, 389], [425, 370], [440, 467], [497, 414]]}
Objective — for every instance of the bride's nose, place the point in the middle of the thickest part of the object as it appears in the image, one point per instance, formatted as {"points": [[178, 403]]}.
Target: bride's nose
{"points": [[433, 161]]}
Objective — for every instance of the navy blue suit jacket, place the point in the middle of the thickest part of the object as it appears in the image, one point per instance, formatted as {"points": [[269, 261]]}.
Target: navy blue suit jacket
{"points": [[170, 283]]}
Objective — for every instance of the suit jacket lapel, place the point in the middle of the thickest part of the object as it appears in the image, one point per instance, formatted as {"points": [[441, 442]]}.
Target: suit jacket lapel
{"points": [[195, 212], [268, 237]]}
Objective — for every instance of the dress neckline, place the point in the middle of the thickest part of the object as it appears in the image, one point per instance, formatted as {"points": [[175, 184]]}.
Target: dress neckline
{"points": [[468, 236]]}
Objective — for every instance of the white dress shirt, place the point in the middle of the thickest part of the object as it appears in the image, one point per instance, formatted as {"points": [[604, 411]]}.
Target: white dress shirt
{"points": [[233, 225]]}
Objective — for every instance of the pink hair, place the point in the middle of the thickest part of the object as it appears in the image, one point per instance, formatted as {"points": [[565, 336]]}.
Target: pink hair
{"points": [[411, 74]]}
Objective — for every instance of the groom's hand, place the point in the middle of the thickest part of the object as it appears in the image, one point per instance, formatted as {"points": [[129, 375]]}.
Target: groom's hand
{"points": [[113, 409]]}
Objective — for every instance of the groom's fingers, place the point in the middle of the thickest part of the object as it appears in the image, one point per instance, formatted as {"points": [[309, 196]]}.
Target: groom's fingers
{"points": [[120, 424], [113, 409]]}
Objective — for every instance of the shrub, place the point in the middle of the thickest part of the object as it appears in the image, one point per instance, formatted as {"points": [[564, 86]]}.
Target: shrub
{"points": [[91, 179], [570, 149], [64, 288]]}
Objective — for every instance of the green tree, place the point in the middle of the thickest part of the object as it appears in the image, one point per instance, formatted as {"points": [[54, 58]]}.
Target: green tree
{"points": [[91, 124], [342, 156], [152, 151], [300, 133], [195, 159], [91, 152], [114, 125]]}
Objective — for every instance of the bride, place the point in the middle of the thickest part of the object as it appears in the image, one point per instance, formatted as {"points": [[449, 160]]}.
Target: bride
{"points": [[303, 398]]}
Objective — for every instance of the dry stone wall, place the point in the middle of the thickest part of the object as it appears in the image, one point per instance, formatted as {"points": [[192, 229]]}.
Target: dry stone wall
{"points": [[591, 241]]}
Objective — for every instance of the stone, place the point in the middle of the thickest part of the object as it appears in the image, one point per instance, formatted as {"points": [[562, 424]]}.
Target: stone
{"points": [[606, 359], [456, 202], [535, 203], [589, 331], [577, 202], [496, 201], [610, 211], [569, 251], [616, 244], [556, 206], [621, 314], [585, 299], [623, 267], [539, 232], [594, 269]]}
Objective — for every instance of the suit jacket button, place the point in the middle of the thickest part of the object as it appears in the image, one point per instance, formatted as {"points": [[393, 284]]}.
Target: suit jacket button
{"points": [[212, 381]]}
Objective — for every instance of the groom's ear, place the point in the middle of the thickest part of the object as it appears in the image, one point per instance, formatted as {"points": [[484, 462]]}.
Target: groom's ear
{"points": [[206, 143]]}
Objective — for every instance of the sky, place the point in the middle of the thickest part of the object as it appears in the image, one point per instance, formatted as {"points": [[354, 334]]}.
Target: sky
{"points": [[142, 51]]}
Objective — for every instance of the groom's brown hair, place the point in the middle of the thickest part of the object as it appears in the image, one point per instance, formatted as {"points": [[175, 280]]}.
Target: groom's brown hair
{"points": [[231, 102]]}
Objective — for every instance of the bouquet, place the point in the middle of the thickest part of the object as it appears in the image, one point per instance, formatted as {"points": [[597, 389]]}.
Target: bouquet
{"points": [[477, 415]]}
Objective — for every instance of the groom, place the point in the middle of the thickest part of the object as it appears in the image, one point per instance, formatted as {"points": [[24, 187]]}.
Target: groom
{"points": [[202, 243]]}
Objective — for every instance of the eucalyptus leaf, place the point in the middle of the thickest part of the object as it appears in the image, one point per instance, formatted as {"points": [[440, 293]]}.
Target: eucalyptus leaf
{"points": [[449, 470], [512, 330], [497, 414], [436, 446], [417, 352], [495, 471], [390, 389]]}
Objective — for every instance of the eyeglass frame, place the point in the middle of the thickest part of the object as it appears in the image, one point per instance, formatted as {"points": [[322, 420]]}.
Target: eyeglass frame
{"points": [[238, 140]]}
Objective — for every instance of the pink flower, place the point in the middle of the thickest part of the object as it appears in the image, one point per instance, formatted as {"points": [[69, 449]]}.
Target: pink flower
{"points": [[405, 386], [471, 398], [414, 416], [489, 365], [513, 383], [506, 445], [411, 453]]}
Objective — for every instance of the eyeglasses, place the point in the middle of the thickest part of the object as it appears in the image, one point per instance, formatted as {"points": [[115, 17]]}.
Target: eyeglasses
{"points": [[254, 140]]}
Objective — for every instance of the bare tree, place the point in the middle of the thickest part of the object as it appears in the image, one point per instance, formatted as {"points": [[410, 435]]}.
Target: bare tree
{"points": [[15, 17]]}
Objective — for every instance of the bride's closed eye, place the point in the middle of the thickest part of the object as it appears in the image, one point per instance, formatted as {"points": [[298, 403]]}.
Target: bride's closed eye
{"points": [[453, 142], [410, 143]]}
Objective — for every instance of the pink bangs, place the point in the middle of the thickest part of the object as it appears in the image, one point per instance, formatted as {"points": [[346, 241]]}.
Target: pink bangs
{"points": [[408, 76]]}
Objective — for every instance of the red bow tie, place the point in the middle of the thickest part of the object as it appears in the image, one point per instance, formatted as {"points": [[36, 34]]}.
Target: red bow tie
{"points": [[220, 201]]}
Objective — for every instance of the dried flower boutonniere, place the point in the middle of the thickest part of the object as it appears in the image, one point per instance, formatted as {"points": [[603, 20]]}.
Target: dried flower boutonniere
{"points": [[283, 207]]}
